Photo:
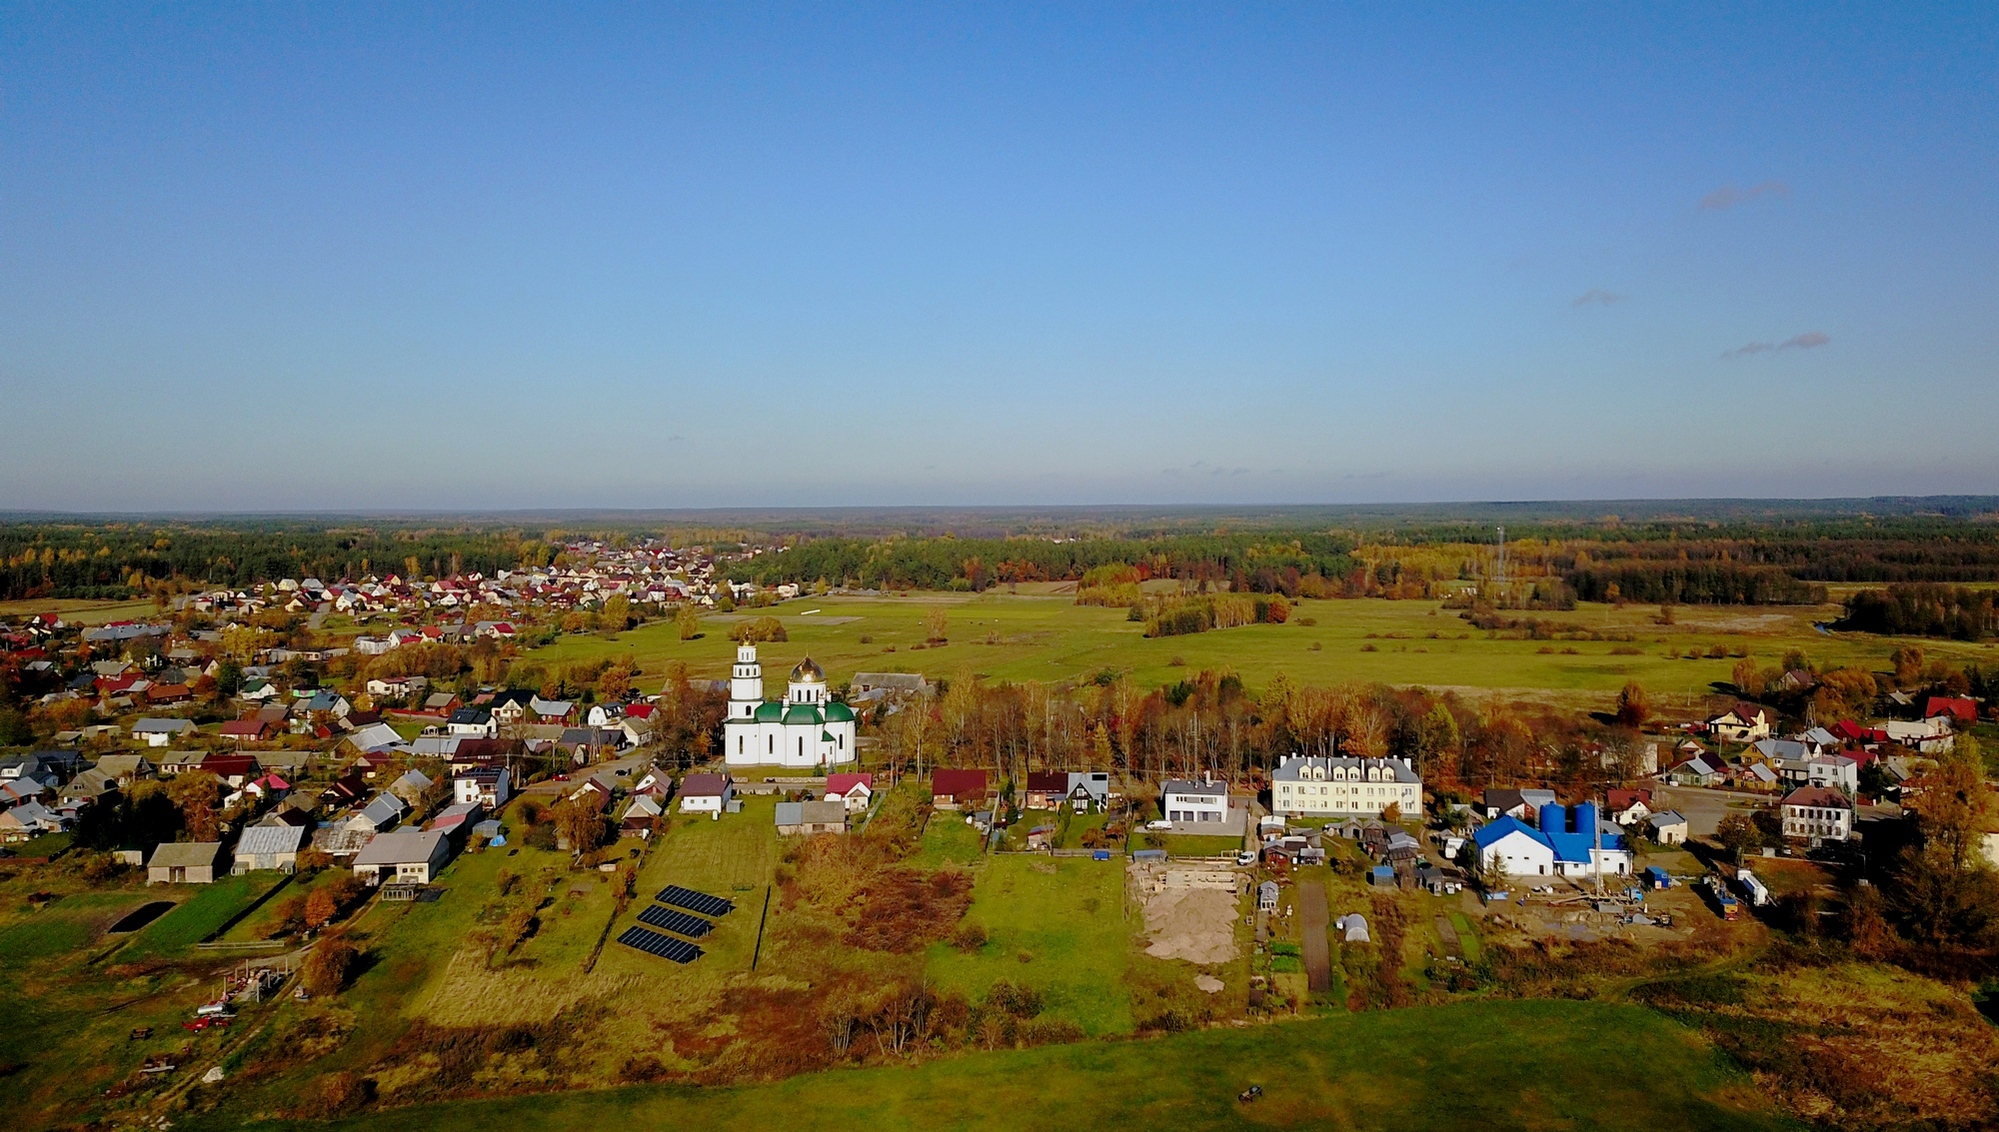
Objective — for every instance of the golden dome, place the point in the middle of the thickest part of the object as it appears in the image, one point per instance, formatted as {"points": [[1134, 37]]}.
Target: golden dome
{"points": [[808, 672]]}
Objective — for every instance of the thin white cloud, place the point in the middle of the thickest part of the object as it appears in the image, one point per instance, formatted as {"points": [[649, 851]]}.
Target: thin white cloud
{"points": [[1728, 196], [1598, 296], [1810, 339]]}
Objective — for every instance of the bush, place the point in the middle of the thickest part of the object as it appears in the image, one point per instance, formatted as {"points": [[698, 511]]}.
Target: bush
{"points": [[758, 630], [969, 937], [329, 965], [1018, 1001]]}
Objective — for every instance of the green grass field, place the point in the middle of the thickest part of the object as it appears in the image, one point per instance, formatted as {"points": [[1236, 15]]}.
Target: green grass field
{"points": [[83, 611], [1500, 1065], [1053, 925], [197, 917], [947, 840], [1047, 637]]}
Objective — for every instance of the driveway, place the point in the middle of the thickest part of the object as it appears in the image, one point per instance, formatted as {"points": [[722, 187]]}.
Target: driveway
{"points": [[1705, 808]]}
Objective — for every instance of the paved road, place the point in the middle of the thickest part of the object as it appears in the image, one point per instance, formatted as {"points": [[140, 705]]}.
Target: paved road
{"points": [[1312, 922]]}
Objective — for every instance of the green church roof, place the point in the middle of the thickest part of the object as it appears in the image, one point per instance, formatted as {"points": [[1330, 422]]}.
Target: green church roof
{"points": [[801, 713], [770, 713], [839, 713]]}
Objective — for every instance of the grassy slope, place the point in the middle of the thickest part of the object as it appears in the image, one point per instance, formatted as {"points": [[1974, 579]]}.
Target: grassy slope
{"points": [[1494, 1065], [1049, 638], [196, 917], [1064, 922]]}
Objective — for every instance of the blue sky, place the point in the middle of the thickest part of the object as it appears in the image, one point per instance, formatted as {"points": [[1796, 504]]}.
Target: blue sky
{"points": [[327, 256]]}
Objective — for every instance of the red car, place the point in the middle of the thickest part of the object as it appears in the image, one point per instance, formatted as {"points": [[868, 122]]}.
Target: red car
{"points": [[208, 1021]]}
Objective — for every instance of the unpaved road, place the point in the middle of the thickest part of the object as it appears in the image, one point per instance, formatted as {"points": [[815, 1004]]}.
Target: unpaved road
{"points": [[1312, 922]]}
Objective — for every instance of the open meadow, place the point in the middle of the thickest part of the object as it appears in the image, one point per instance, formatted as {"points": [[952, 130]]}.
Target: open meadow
{"points": [[1500, 1065], [1047, 637]]}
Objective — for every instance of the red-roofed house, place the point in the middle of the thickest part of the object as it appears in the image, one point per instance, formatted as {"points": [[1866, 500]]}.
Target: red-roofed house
{"points": [[856, 790], [954, 789], [1047, 789], [1958, 708], [1627, 806], [233, 769], [1854, 733]]}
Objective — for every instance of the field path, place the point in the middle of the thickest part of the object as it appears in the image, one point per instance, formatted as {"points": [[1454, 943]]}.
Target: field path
{"points": [[1312, 922]]}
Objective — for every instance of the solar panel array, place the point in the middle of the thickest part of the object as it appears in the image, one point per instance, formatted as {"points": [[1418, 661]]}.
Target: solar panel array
{"points": [[664, 946], [680, 923], [694, 901]]}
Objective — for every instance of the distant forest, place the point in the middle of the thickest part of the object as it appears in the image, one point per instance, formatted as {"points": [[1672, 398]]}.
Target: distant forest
{"points": [[1729, 553], [1925, 610], [116, 560]]}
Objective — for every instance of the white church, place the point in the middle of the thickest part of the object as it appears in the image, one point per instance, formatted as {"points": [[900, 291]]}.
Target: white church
{"points": [[808, 729]]}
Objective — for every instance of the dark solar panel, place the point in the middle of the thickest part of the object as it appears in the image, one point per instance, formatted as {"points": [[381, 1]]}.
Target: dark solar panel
{"points": [[694, 901], [680, 923], [664, 946]]}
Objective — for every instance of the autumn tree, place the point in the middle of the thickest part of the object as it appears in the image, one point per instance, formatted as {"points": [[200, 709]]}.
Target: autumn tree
{"points": [[197, 793], [1949, 894], [617, 613], [1747, 678], [328, 966], [579, 826], [320, 908], [615, 682], [1633, 709], [1738, 835], [759, 629], [687, 621], [936, 625]]}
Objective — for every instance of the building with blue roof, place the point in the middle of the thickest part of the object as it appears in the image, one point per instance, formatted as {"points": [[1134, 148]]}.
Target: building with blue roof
{"points": [[1569, 842]]}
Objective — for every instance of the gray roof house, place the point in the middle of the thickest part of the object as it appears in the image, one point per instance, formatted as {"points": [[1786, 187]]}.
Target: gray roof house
{"points": [[273, 847], [385, 811], [811, 817], [184, 862], [409, 855]]}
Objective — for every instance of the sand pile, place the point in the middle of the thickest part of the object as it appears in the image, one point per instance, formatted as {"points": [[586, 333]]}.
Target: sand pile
{"points": [[1195, 924]]}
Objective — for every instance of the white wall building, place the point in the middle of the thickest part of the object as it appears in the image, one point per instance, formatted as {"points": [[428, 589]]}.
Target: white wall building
{"points": [[807, 729], [1195, 801], [1314, 786]]}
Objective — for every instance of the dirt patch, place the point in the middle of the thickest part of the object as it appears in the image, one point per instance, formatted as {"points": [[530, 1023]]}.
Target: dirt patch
{"points": [[1195, 924], [1209, 984], [1313, 946]]}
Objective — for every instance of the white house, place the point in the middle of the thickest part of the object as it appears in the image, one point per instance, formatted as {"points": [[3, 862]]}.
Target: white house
{"points": [[1315, 786], [160, 732], [706, 793], [1510, 847], [474, 722], [1932, 736], [807, 729], [1817, 814], [490, 786], [410, 855], [852, 790], [1744, 723], [1668, 827], [1184, 801]]}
